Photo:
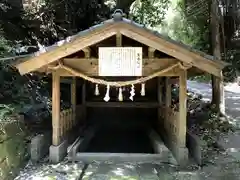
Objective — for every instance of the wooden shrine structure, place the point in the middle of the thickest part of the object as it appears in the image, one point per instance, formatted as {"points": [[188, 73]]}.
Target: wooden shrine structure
{"points": [[162, 58]]}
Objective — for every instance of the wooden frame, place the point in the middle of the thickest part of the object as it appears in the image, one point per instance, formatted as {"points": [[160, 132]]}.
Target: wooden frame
{"points": [[89, 66], [129, 30], [56, 124], [123, 104], [63, 121], [183, 54]]}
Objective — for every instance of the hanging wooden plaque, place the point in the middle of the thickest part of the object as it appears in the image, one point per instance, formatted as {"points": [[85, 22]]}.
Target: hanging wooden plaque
{"points": [[120, 61]]}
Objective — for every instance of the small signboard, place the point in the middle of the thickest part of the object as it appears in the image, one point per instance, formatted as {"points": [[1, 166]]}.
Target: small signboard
{"points": [[120, 61]]}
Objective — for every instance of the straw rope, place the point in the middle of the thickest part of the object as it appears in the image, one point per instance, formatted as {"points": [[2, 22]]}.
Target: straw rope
{"points": [[117, 83]]}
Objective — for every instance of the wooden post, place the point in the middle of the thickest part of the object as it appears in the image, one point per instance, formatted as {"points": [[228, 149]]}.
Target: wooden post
{"points": [[84, 99], [118, 39], [168, 99], [73, 99], [56, 136], [182, 121], [151, 52], [159, 96], [159, 91]]}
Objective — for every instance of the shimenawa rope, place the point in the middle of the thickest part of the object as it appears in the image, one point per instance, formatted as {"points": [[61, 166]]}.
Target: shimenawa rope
{"points": [[116, 83]]}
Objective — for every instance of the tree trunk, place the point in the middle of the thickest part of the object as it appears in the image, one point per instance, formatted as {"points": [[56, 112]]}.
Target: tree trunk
{"points": [[217, 83]]}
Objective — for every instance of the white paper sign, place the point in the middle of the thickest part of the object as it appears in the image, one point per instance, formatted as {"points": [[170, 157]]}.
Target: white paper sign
{"points": [[120, 61]]}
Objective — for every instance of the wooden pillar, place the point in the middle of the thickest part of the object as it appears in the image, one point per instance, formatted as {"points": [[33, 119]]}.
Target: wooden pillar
{"points": [[182, 121], [168, 99], [56, 135], [159, 96], [73, 98], [118, 39], [84, 99], [160, 90]]}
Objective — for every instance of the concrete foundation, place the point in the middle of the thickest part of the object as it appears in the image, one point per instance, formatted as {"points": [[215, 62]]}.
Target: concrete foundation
{"points": [[194, 145], [160, 148], [181, 155], [58, 153]]}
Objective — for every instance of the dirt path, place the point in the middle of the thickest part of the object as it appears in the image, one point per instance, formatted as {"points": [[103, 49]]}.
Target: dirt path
{"points": [[232, 98]]}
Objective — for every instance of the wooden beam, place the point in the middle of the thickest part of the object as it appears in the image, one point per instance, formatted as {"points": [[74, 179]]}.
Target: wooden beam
{"points": [[56, 136], [123, 104], [182, 53], [151, 52], [92, 37], [69, 81], [182, 121], [89, 66], [119, 39], [94, 61], [171, 73], [146, 72], [87, 52]]}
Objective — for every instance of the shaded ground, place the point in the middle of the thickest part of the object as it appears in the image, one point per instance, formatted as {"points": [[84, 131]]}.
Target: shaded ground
{"points": [[120, 141], [219, 170], [232, 98]]}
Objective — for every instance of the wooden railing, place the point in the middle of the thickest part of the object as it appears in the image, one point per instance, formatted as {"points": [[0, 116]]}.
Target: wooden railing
{"points": [[67, 121], [69, 118], [170, 119]]}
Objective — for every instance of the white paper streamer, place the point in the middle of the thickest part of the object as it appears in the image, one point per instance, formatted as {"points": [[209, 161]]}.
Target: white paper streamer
{"points": [[96, 90], [132, 92], [143, 90], [120, 95], [107, 97]]}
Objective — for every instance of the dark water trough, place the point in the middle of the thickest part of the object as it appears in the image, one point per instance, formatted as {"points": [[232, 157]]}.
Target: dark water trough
{"points": [[124, 135]]}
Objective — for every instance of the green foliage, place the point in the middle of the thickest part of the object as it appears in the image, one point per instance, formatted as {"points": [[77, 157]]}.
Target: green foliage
{"points": [[190, 30], [149, 12], [46, 23], [203, 78], [7, 110]]}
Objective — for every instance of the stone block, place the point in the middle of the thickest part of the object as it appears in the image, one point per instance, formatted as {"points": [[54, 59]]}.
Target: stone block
{"points": [[40, 146], [57, 153], [160, 148], [11, 129], [194, 145], [181, 155]]}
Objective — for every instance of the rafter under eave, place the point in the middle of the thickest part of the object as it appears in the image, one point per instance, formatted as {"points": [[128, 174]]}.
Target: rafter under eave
{"points": [[173, 50], [80, 43], [133, 31]]}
